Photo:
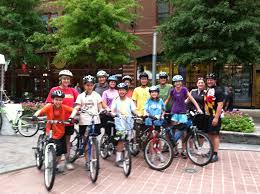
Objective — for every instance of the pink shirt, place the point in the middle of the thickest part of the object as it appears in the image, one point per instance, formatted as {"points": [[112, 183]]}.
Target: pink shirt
{"points": [[109, 95]]}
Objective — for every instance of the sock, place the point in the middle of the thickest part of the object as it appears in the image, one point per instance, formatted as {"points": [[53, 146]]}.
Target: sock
{"points": [[118, 156]]}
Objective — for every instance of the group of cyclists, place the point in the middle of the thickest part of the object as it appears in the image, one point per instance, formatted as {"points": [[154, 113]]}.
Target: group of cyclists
{"points": [[110, 96]]}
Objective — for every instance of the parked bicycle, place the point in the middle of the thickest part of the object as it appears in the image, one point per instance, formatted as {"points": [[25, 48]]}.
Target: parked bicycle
{"points": [[199, 147], [89, 140], [108, 143], [45, 153], [21, 123]]}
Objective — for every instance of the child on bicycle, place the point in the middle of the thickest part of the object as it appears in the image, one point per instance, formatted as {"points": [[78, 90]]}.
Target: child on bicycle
{"points": [[56, 111], [154, 107], [90, 102], [125, 108], [179, 118]]}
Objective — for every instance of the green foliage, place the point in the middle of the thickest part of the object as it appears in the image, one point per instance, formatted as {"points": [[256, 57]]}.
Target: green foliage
{"points": [[90, 32], [18, 21], [213, 31], [237, 121]]}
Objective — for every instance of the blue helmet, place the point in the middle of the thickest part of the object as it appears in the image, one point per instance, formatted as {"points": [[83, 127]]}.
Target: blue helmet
{"points": [[177, 78], [112, 78]]}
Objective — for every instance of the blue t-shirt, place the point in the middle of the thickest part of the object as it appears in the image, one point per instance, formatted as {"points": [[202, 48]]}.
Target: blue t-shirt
{"points": [[154, 108]]}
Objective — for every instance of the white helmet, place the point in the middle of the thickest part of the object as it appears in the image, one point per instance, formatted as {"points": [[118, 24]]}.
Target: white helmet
{"points": [[66, 73], [88, 79], [177, 78], [102, 73]]}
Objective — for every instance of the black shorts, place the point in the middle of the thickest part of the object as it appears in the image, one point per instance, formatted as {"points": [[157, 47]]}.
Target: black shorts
{"points": [[61, 147], [69, 130], [201, 122], [82, 130], [106, 125], [210, 128]]}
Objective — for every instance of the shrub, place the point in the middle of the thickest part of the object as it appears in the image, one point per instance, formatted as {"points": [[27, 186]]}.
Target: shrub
{"points": [[237, 121], [31, 107]]}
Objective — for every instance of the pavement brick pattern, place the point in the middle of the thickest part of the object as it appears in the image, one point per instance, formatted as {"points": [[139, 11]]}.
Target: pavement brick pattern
{"points": [[236, 172]]}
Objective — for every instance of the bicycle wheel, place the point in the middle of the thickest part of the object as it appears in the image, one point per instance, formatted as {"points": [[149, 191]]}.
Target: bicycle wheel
{"points": [[1, 121], [104, 147], [93, 157], [127, 160], [199, 148], [134, 148], [154, 155], [39, 152], [26, 127], [74, 147], [49, 166]]}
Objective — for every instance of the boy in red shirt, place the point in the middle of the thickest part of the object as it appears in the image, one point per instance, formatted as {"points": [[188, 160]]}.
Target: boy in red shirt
{"points": [[56, 111]]}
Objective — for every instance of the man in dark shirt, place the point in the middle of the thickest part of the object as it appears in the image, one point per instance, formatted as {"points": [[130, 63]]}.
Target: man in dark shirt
{"points": [[213, 106]]}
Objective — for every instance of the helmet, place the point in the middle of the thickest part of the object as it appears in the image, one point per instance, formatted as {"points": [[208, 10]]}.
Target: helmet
{"points": [[177, 78], [127, 77], [211, 76], [122, 86], [112, 78], [88, 79], [163, 75], [102, 73], [57, 93], [66, 73], [154, 88], [143, 74]]}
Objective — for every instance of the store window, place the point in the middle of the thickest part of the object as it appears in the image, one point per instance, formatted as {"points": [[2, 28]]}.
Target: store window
{"points": [[239, 78], [163, 10]]}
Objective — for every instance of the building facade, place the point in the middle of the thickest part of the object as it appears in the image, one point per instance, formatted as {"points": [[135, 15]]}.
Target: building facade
{"points": [[245, 80]]}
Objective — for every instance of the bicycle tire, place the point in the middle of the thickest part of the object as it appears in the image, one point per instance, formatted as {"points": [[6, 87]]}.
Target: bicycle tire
{"points": [[205, 156], [164, 164], [39, 152], [49, 167], [74, 148], [26, 127], [94, 160], [133, 151], [104, 147], [127, 160], [1, 121]]}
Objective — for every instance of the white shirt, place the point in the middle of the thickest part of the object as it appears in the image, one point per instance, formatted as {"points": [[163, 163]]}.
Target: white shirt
{"points": [[89, 103]]}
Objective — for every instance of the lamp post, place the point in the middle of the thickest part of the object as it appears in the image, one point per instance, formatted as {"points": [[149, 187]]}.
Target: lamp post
{"points": [[154, 59]]}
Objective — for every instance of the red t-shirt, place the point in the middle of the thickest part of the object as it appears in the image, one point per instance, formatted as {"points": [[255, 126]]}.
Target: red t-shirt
{"points": [[53, 113], [129, 93], [70, 97]]}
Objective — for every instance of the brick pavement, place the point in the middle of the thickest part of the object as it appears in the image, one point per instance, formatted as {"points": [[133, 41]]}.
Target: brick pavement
{"points": [[236, 172]]}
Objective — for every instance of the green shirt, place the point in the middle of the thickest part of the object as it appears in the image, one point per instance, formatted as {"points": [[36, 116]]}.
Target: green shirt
{"points": [[164, 93]]}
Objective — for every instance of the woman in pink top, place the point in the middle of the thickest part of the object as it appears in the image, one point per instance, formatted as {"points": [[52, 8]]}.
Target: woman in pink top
{"points": [[70, 97], [111, 93]]}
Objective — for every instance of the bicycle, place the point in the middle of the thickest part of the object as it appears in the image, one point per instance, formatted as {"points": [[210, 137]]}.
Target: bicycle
{"points": [[79, 143], [19, 122], [199, 147], [45, 153], [108, 144]]}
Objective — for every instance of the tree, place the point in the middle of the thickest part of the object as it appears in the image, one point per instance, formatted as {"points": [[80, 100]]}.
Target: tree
{"points": [[90, 32], [213, 31], [18, 21]]}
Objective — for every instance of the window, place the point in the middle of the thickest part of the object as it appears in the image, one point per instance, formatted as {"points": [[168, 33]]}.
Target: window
{"points": [[47, 19], [163, 10]]}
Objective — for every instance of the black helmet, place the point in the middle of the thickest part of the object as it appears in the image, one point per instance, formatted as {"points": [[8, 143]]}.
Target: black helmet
{"points": [[211, 76], [57, 93], [122, 86], [88, 79], [143, 74], [127, 77]]}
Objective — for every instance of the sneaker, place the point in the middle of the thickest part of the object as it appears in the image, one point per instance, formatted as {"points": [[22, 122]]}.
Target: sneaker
{"points": [[69, 166], [87, 166], [59, 169], [153, 158], [214, 158], [184, 154]]}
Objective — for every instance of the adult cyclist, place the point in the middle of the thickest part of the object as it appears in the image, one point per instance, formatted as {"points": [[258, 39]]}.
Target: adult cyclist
{"points": [[102, 85], [71, 95]]}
